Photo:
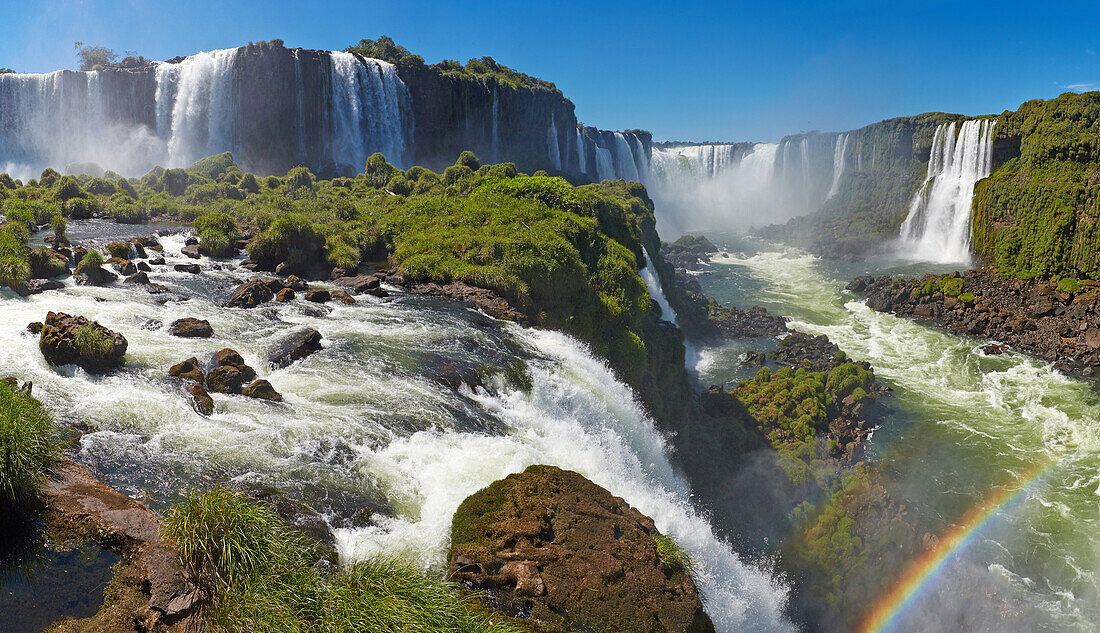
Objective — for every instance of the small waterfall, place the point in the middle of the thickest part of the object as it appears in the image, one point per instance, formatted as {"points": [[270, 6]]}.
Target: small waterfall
{"points": [[300, 124], [367, 105], [605, 166], [552, 144], [625, 167], [838, 164], [653, 283], [581, 153], [938, 225], [495, 150]]}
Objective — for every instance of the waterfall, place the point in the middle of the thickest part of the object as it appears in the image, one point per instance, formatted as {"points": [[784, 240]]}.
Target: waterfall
{"points": [[552, 144], [838, 164], [938, 225], [605, 166], [300, 123], [581, 153], [198, 114], [367, 105], [625, 167], [653, 283], [495, 151]]}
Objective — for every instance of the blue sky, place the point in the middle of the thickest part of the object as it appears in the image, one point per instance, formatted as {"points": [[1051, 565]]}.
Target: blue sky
{"points": [[707, 70]]}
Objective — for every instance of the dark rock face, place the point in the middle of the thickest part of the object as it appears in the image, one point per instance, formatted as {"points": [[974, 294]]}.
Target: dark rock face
{"points": [[250, 294], [284, 295], [262, 389], [493, 304], [1031, 316], [295, 347], [93, 275], [798, 349], [688, 252], [319, 296], [193, 269], [703, 318], [191, 327], [188, 370], [75, 340], [550, 545]]}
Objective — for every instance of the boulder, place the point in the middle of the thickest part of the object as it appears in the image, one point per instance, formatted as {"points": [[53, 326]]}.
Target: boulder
{"points": [[36, 286], [343, 297], [157, 261], [188, 370], [200, 399], [191, 327], [144, 267], [553, 546], [294, 282], [87, 275], [191, 250], [231, 358], [295, 347], [319, 296], [224, 379], [359, 283], [262, 390], [250, 294], [285, 295], [194, 269], [137, 278], [75, 340]]}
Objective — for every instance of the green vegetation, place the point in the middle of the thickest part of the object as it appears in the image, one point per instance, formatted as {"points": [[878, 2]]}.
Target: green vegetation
{"points": [[386, 49], [218, 234], [673, 555], [92, 341], [30, 445], [1069, 285], [92, 259], [966, 298], [951, 286], [262, 578]]}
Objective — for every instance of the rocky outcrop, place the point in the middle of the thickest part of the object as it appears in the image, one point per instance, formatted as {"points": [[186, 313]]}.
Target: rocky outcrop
{"points": [[703, 318], [688, 252], [250, 294], [191, 327], [1059, 323], [491, 303], [549, 545], [150, 591], [294, 347], [75, 340]]}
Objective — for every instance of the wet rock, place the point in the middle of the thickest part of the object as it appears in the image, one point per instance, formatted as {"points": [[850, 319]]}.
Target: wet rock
{"points": [[37, 286], [231, 358], [319, 296], [144, 267], [343, 297], [188, 370], [87, 275], [138, 249], [549, 544], [193, 269], [359, 283], [157, 261], [262, 390], [294, 347], [250, 294], [191, 327], [754, 359], [993, 349], [274, 285], [294, 282], [75, 340], [137, 278], [35, 327], [200, 399], [225, 379], [124, 266], [152, 324], [285, 295]]}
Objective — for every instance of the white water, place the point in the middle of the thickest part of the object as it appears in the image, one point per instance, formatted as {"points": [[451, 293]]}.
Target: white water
{"points": [[653, 283], [838, 164], [361, 420], [552, 144], [937, 228], [60, 118], [581, 153], [1035, 566], [605, 166], [625, 166], [495, 147]]}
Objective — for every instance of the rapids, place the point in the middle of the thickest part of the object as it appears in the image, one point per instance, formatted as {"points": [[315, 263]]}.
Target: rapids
{"points": [[366, 422], [962, 424]]}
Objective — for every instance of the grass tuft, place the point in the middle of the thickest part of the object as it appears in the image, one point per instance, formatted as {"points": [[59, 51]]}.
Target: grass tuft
{"points": [[30, 445]]}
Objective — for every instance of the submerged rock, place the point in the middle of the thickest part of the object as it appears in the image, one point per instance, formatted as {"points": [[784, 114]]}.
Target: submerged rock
{"points": [[200, 399], [295, 347], [193, 269], [550, 545], [75, 340], [191, 327]]}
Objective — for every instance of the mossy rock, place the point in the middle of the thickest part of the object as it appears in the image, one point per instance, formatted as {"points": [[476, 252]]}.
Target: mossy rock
{"points": [[550, 545]]}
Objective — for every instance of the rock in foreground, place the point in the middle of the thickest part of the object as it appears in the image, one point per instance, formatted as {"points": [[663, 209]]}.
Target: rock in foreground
{"points": [[550, 545], [295, 347], [69, 340]]}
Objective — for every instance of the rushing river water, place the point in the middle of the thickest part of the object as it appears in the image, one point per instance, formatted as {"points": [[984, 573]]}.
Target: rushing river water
{"points": [[962, 424], [366, 422]]}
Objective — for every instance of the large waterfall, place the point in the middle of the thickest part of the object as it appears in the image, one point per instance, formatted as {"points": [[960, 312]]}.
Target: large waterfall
{"points": [[938, 225], [838, 163], [271, 109]]}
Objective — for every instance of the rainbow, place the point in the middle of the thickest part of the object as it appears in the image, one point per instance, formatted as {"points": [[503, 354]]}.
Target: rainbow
{"points": [[888, 610]]}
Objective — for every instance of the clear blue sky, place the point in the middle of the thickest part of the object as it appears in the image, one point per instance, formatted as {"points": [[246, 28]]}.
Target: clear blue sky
{"points": [[705, 70]]}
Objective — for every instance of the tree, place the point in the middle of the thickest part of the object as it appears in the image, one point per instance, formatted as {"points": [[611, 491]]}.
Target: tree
{"points": [[94, 57], [6, 71]]}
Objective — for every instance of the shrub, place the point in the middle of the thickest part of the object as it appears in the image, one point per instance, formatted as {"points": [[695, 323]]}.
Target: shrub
{"points": [[399, 186], [291, 239], [468, 159], [92, 260], [81, 208], [175, 182], [68, 188], [218, 234], [377, 172], [48, 178], [249, 184], [45, 264], [456, 173], [6, 182], [58, 224], [966, 298], [298, 179], [30, 445], [1069, 285], [503, 170]]}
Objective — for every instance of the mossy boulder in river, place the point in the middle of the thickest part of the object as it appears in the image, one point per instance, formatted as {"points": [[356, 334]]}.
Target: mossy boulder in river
{"points": [[549, 545], [74, 340]]}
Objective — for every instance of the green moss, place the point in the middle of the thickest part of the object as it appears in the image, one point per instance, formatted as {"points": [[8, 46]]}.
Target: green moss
{"points": [[951, 286], [966, 298], [1069, 285]]}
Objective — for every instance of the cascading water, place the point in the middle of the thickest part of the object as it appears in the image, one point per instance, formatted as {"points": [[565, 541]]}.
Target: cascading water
{"points": [[365, 422], [625, 166], [552, 144], [173, 114], [495, 147], [581, 153], [653, 283], [938, 225], [838, 164], [605, 164]]}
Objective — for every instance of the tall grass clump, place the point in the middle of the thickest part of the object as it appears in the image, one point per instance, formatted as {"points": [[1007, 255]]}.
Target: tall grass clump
{"points": [[91, 341], [673, 555], [30, 445], [218, 234], [261, 577]]}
